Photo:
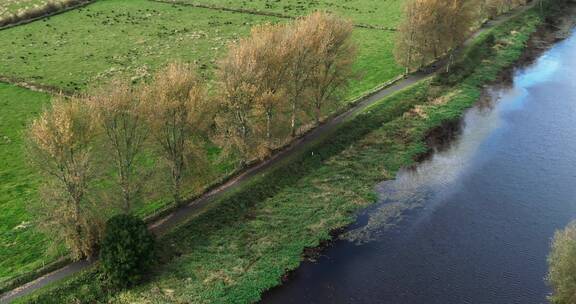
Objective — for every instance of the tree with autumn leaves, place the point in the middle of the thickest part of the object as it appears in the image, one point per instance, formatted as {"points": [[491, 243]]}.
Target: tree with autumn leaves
{"points": [[179, 115], [282, 75], [61, 144], [436, 28], [271, 83], [432, 28]]}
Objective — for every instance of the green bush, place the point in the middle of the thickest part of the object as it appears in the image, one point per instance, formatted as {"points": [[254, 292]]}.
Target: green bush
{"points": [[562, 266], [127, 250]]}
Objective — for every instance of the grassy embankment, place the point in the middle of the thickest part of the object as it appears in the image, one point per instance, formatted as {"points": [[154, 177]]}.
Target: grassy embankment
{"points": [[113, 38], [242, 245]]}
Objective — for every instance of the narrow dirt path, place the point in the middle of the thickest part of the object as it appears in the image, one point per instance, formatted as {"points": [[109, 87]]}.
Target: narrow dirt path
{"points": [[192, 209]]}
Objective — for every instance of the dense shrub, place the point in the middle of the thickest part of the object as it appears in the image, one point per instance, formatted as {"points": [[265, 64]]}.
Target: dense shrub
{"points": [[562, 264], [127, 250]]}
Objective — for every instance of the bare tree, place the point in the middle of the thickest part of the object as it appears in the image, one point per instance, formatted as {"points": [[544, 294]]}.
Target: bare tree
{"points": [[334, 56], [60, 144], [179, 116], [236, 122], [493, 8], [432, 28], [300, 65], [268, 46], [457, 24], [412, 41], [118, 108], [406, 38]]}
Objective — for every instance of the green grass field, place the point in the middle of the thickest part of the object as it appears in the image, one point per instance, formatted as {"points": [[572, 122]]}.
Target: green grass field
{"points": [[129, 38], [385, 13], [132, 38], [21, 247]]}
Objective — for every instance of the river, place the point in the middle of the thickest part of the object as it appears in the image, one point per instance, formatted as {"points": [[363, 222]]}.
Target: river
{"points": [[486, 209]]}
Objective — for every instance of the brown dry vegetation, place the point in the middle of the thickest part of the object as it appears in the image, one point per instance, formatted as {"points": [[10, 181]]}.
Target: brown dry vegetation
{"points": [[282, 75], [61, 143], [179, 115]]}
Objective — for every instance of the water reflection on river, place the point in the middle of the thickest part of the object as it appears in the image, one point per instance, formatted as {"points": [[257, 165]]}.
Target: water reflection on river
{"points": [[483, 210]]}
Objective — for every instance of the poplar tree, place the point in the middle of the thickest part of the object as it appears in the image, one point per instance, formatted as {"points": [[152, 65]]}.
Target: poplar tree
{"points": [[334, 57], [179, 116], [119, 113], [60, 144]]}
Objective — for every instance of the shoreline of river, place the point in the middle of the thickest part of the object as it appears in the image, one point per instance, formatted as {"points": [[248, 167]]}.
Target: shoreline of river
{"points": [[553, 30]]}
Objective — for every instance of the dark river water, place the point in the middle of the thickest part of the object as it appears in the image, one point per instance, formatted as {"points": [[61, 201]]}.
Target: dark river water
{"points": [[486, 207]]}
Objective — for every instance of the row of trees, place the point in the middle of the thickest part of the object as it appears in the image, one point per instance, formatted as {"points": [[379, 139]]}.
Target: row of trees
{"points": [[492, 8], [280, 77], [80, 140], [103, 146], [435, 28]]}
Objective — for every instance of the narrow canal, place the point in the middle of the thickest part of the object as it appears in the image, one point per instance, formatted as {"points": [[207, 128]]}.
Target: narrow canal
{"points": [[487, 207]]}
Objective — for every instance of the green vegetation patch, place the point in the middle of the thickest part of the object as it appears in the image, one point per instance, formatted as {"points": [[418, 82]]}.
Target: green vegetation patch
{"points": [[21, 246], [133, 38], [383, 13], [245, 242], [116, 37]]}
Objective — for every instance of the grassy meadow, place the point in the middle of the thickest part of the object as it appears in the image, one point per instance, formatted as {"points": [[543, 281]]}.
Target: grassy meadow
{"points": [[21, 247], [130, 38], [243, 244], [384, 13], [113, 38]]}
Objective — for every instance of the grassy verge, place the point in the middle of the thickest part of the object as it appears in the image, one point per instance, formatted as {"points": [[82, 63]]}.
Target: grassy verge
{"points": [[245, 242]]}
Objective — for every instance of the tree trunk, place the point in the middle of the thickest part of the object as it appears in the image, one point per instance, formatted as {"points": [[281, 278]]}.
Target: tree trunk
{"points": [[318, 113], [126, 196], [450, 61], [269, 129], [293, 120], [176, 184]]}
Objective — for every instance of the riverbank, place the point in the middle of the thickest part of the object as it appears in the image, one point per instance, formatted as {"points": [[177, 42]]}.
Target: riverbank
{"points": [[486, 204], [243, 244]]}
